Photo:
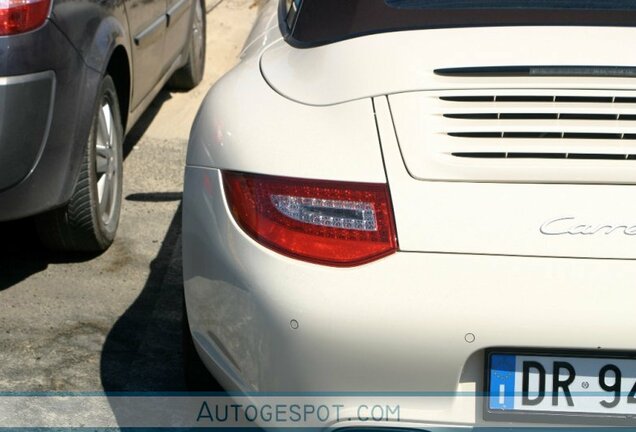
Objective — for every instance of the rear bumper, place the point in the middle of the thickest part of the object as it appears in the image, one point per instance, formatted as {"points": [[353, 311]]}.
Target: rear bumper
{"points": [[411, 322]]}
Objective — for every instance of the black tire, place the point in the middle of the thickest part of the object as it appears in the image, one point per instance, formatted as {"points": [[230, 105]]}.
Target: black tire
{"points": [[196, 375], [86, 223], [190, 75]]}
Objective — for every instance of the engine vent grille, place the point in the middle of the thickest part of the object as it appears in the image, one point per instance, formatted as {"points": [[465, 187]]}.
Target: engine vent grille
{"points": [[543, 117], [519, 134]]}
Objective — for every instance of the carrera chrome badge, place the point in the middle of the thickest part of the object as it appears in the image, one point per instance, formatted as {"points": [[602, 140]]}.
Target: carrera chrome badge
{"points": [[570, 226]]}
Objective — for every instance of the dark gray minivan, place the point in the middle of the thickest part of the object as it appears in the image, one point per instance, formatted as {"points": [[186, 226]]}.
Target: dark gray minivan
{"points": [[75, 76]]}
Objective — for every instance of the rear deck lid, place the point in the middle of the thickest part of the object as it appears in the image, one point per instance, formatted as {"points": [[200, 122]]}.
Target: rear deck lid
{"points": [[514, 163]]}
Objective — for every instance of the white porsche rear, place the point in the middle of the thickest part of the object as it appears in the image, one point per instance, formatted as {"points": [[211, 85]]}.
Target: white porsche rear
{"points": [[455, 206]]}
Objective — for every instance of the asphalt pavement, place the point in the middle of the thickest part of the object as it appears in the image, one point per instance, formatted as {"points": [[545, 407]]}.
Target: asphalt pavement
{"points": [[113, 322]]}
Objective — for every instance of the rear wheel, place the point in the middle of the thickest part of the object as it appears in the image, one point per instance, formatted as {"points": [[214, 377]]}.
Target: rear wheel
{"points": [[190, 75], [89, 221]]}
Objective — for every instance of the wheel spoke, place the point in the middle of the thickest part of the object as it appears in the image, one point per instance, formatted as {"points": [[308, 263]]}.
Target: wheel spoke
{"points": [[103, 135], [104, 144], [105, 196], [103, 156], [106, 119]]}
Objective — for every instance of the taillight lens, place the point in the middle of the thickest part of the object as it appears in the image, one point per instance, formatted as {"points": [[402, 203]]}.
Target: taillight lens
{"points": [[324, 222], [19, 16]]}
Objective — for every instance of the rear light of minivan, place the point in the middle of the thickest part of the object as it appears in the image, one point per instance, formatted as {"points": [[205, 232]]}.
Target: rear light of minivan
{"points": [[331, 223], [19, 16]]}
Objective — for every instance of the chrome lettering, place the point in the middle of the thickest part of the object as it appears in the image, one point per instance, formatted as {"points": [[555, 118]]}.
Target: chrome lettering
{"points": [[569, 226]]}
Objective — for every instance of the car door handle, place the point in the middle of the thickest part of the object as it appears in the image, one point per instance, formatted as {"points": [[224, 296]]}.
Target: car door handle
{"points": [[176, 11], [151, 33]]}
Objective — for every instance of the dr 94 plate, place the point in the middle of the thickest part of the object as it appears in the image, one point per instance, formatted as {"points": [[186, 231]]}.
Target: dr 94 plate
{"points": [[567, 385]]}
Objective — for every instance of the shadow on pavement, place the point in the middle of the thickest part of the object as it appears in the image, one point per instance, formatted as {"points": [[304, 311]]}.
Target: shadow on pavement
{"points": [[142, 352], [22, 255], [155, 197]]}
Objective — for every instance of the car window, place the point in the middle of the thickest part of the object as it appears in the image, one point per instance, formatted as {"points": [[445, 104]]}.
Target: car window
{"points": [[317, 22]]}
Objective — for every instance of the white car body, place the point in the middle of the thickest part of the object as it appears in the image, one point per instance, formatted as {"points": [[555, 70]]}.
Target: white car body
{"points": [[515, 253]]}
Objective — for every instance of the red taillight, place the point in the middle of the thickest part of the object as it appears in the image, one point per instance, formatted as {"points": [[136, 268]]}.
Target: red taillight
{"points": [[324, 222], [19, 16]]}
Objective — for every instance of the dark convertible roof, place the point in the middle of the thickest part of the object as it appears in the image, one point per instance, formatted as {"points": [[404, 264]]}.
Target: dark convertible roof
{"points": [[319, 22]]}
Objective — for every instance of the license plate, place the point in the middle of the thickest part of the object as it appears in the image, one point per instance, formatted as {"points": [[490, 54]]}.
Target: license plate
{"points": [[561, 384]]}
